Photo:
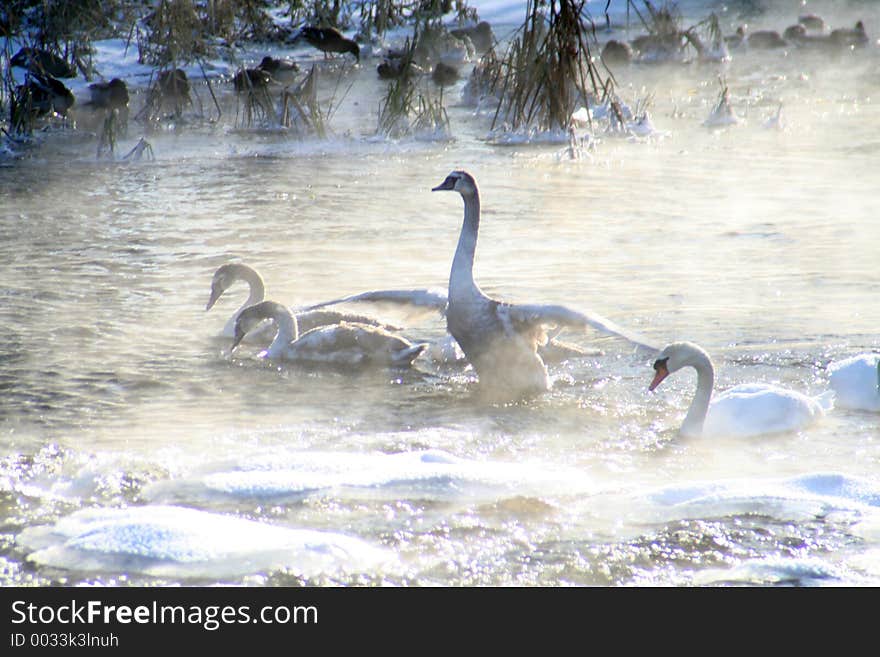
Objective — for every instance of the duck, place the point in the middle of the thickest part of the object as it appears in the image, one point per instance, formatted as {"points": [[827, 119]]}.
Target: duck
{"points": [[349, 344], [329, 39], [480, 35], [251, 79], [856, 381], [500, 340], [850, 37], [174, 84], [746, 410], [43, 62], [226, 275], [392, 68], [617, 53], [282, 71], [812, 22], [112, 95], [39, 96], [444, 75], [765, 40]]}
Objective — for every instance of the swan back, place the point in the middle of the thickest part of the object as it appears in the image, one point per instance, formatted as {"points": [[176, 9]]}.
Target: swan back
{"points": [[350, 344], [759, 408], [856, 382]]}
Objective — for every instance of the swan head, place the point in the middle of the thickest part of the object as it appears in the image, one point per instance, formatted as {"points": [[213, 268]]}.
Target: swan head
{"points": [[253, 316], [458, 181], [226, 275], [675, 356], [223, 278]]}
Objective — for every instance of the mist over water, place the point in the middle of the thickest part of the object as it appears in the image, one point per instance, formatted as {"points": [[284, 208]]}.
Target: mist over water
{"points": [[759, 244]]}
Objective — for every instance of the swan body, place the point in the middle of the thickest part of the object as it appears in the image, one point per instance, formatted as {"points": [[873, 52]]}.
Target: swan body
{"points": [[417, 302], [856, 382], [501, 339], [228, 274], [745, 410], [342, 344]]}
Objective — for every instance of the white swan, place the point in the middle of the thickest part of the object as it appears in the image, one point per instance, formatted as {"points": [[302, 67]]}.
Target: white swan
{"points": [[225, 277], [228, 274], [856, 382], [745, 410], [500, 339], [417, 302], [342, 344]]}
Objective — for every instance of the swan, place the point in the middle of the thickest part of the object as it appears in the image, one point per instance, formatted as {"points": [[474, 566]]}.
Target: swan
{"points": [[228, 274], [417, 302], [344, 344], [500, 339], [856, 382], [745, 410], [224, 277]]}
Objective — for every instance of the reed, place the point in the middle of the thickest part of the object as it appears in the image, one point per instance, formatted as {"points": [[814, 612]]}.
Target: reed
{"points": [[548, 69], [300, 109]]}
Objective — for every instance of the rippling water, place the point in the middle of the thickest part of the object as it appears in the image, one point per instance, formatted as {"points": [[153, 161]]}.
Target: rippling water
{"points": [[119, 400]]}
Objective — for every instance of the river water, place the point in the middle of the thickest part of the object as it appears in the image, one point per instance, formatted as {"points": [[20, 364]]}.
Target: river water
{"points": [[134, 449]]}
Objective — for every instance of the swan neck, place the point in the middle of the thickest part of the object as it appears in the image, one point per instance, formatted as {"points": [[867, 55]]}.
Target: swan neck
{"points": [[462, 274], [257, 287], [288, 331], [696, 415]]}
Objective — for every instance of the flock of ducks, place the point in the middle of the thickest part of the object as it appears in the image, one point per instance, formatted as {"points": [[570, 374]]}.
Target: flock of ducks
{"points": [[508, 345], [810, 33]]}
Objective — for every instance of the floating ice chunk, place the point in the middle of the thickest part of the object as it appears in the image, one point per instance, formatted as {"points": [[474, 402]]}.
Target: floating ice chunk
{"points": [[172, 541]]}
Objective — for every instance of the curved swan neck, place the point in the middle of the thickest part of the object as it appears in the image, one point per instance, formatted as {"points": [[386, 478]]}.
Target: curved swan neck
{"points": [[696, 415], [288, 331], [462, 273], [255, 282]]}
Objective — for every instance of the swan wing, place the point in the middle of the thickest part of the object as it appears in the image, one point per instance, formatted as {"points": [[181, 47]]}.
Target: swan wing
{"points": [[316, 318], [554, 316], [413, 303]]}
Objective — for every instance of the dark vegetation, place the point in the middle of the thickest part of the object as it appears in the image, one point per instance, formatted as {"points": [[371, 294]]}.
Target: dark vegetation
{"points": [[532, 80]]}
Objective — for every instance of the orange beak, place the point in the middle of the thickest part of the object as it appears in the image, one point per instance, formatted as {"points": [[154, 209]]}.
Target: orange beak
{"points": [[661, 374]]}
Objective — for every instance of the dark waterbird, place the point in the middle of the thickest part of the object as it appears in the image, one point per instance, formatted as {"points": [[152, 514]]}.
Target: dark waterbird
{"points": [[444, 75], [39, 96], [481, 36], [173, 83], [43, 62], [282, 71], [248, 79], [108, 95], [328, 40]]}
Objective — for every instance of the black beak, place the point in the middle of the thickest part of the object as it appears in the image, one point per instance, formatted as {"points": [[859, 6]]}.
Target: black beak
{"points": [[446, 185], [236, 341]]}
